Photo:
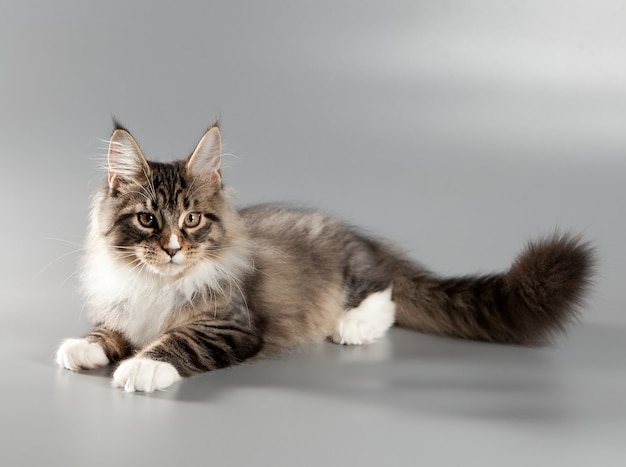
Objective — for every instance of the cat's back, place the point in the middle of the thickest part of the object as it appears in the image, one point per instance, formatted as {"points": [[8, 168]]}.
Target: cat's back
{"points": [[297, 241], [280, 224]]}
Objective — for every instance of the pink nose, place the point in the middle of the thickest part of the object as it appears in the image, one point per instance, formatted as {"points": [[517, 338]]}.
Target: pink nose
{"points": [[173, 245], [171, 251]]}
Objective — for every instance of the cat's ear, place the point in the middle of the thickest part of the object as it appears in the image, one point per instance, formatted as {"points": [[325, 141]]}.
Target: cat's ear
{"points": [[126, 161], [205, 162]]}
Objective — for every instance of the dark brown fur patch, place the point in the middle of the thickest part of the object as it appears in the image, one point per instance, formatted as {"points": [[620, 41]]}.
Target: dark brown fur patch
{"points": [[115, 345], [529, 305]]}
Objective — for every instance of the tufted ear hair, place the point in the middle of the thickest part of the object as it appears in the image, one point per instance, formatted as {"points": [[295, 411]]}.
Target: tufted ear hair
{"points": [[127, 163], [205, 162]]}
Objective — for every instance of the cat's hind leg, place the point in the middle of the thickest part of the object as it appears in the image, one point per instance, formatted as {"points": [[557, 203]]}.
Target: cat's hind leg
{"points": [[368, 321]]}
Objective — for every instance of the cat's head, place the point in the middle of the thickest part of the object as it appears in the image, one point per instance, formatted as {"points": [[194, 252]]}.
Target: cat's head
{"points": [[164, 218]]}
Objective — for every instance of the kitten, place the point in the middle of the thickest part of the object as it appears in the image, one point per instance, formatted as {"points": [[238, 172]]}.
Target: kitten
{"points": [[178, 282]]}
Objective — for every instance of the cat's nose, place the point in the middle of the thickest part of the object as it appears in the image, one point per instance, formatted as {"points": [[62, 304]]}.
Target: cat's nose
{"points": [[171, 251], [173, 246]]}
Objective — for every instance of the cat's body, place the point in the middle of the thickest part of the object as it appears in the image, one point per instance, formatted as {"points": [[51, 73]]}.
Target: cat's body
{"points": [[183, 283]]}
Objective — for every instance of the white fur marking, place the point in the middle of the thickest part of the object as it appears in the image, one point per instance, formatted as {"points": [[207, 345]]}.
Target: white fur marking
{"points": [[173, 244], [80, 354], [178, 258], [367, 322], [139, 303], [144, 374]]}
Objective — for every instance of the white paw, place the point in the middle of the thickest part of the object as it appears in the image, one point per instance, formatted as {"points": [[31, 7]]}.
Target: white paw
{"points": [[144, 374], [80, 354], [367, 322]]}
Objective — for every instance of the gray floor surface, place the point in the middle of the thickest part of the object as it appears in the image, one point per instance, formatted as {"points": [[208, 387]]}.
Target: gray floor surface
{"points": [[459, 130]]}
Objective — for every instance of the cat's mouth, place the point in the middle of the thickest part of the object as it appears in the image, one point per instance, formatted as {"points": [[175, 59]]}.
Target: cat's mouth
{"points": [[175, 262], [167, 265], [178, 259]]}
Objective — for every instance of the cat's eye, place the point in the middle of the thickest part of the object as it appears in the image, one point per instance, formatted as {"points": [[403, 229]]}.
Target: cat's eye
{"points": [[192, 219], [146, 219]]}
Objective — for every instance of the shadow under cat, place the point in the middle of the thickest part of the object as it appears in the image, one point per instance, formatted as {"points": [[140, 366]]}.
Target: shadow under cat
{"points": [[426, 374]]}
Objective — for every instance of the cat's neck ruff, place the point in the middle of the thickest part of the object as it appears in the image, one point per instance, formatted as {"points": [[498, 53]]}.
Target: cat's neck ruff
{"points": [[121, 282], [137, 300]]}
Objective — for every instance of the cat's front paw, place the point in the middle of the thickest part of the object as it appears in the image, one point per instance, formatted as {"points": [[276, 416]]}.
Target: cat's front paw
{"points": [[144, 374], [80, 354]]}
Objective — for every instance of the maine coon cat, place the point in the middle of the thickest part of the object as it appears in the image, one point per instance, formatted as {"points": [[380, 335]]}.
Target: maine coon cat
{"points": [[178, 282]]}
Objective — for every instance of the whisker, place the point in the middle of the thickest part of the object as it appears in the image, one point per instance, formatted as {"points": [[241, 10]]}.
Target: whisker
{"points": [[64, 241], [143, 194], [230, 154], [202, 186], [140, 264], [55, 261], [235, 282], [128, 255], [67, 279]]}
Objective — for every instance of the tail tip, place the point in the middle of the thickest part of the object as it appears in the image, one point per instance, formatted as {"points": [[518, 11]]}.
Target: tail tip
{"points": [[552, 279]]}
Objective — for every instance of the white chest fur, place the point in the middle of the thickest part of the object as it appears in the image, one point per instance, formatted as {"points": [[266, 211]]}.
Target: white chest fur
{"points": [[140, 303], [133, 302], [142, 315]]}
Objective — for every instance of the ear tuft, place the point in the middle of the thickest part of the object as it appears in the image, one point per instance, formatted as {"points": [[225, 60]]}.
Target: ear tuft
{"points": [[126, 161], [117, 125], [205, 162]]}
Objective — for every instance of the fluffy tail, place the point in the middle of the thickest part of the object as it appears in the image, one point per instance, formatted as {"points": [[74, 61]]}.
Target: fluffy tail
{"points": [[529, 305]]}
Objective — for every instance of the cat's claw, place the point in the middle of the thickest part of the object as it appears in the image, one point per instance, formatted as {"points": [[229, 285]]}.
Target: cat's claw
{"points": [[80, 354], [144, 374]]}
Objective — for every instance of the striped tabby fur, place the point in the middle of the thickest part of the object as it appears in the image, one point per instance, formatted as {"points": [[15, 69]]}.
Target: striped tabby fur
{"points": [[178, 282]]}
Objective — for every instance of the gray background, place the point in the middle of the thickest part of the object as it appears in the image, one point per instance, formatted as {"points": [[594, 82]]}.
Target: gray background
{"points": [[457, 129]]}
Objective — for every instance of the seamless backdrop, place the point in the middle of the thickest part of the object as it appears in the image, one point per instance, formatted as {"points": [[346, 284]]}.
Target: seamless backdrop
{"points": [[457, 129]]}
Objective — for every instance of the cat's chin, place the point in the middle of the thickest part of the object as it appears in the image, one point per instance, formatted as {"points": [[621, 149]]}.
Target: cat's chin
{"points": [[168, 269]]}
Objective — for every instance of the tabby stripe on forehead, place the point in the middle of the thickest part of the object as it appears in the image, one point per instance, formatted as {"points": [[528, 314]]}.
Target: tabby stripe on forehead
{"points": [[178, 195]]}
